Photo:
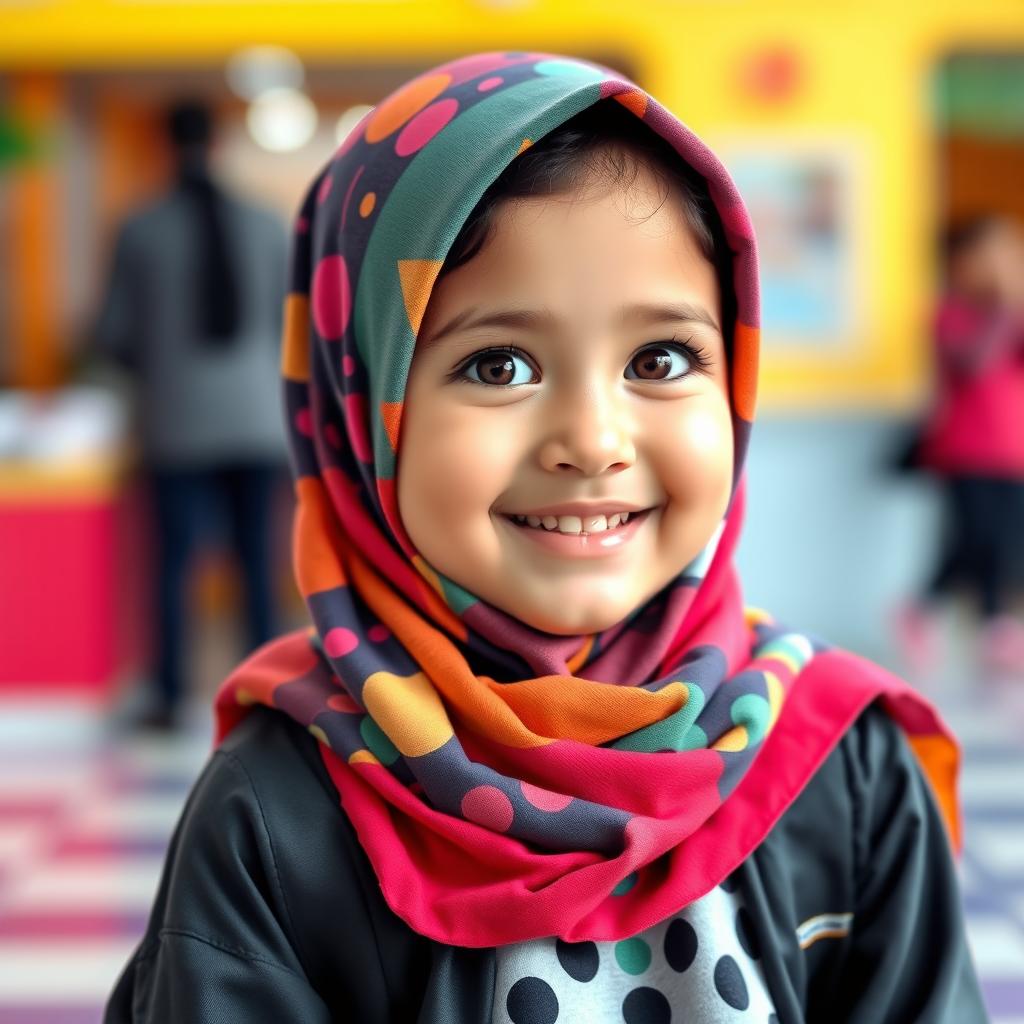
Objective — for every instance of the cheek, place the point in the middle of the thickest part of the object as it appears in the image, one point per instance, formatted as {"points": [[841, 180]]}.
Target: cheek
{"points": [[449, 471], [700, 453]]}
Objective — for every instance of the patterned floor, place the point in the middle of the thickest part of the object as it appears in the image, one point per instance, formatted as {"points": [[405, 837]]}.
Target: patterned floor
{"points": [[84, 819]]}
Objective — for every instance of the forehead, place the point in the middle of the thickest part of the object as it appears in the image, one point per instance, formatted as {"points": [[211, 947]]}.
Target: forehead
{"points": [[640, 206], [596, 248]]}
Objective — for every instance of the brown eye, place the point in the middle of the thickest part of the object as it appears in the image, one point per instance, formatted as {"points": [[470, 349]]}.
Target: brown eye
{"points": [[498, 369], [652, 364]]}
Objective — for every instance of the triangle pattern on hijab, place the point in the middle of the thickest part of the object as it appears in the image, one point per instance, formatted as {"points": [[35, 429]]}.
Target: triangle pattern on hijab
{"points": [[509, 784]]}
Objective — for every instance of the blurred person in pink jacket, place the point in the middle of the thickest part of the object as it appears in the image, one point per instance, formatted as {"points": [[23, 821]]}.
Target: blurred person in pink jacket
{"points": [[973, 438]]}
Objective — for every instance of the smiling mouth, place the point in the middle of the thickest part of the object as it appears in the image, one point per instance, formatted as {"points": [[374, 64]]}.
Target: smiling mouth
{"points": [[574, 527]]}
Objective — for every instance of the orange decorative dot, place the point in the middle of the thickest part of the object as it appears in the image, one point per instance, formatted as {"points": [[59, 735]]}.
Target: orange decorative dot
{"points": [[635, 101], [295, 338], [735, 739], [367, 203], [408, 710], [317, 539], [391, 416], [363, 757], [404, 104], [746, 340]]}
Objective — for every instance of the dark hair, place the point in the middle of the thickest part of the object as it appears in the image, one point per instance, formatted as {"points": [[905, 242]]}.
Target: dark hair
{"points": [[189, 125], [962, 234], [612, 143]]}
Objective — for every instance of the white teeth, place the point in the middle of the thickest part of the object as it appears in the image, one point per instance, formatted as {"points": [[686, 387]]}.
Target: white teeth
{"points": [[575, 524]]}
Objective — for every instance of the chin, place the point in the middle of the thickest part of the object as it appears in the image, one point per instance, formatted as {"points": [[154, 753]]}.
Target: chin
{"points": [[563, 627]]}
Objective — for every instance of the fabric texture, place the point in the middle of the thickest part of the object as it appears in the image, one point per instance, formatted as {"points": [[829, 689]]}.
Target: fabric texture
{"points": [[509, 784], [268, 909]]}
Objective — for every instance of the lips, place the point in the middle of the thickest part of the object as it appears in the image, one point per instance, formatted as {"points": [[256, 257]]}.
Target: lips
{"points": [[581, 545]]}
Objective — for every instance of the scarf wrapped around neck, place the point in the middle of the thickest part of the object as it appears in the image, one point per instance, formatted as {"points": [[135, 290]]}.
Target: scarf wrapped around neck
{"points": [[505, 783]]}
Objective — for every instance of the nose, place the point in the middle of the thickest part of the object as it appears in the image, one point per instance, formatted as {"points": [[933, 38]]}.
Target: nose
{"points": [[589, 430]]}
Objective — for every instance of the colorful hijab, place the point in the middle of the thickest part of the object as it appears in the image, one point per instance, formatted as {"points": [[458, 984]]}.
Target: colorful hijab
{"points": [[505, 783]]}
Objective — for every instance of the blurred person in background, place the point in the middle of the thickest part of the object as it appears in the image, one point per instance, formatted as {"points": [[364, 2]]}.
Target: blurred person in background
{"points": [[192, 311], [973, 438]]}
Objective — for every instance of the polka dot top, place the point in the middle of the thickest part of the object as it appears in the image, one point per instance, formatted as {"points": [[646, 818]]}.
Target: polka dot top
{"points": [[700, 965]]}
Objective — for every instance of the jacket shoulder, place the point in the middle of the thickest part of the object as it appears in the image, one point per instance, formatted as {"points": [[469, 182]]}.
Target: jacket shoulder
{"points": [[262, 884], [326, 877], [871, 765]]}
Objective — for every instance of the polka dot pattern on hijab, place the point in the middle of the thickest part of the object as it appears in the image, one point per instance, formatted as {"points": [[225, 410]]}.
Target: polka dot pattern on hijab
{"points": [[508, 784]]}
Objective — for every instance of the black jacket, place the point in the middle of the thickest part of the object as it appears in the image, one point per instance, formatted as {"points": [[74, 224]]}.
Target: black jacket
{"points": [[269, 911]]}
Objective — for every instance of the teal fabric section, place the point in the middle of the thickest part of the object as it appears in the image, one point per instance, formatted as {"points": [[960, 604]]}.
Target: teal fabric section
{"points": [[457, 598], [677, 732], [787, 647], [376, 739], [751, 711]]}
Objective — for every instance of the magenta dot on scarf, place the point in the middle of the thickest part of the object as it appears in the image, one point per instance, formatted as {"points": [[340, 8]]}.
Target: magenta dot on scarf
{"points": [[490, 83], [325, 189], [379, 633], [304, 422], [343, 702], [465, 68], [331, 298], [348, 365], [544, 798], [339, 641], [355, 416], [488, 806], [424, 126], [332, 435]]}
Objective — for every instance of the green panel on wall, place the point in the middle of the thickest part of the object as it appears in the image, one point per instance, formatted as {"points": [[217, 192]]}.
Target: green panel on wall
{"points": [[982, 94]]}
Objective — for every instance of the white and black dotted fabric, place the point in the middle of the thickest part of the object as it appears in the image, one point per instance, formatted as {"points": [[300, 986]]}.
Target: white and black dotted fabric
{"points": [[700, 966]]}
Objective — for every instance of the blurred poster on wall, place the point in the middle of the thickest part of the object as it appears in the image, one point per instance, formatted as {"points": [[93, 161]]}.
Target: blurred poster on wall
{"points": [[803, 200]]}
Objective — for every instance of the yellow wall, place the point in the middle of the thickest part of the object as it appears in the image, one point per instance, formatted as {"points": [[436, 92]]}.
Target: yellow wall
{"points": [[866, 69]]}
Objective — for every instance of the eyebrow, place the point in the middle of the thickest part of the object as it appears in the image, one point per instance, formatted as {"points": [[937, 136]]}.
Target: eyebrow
{"points": [[537, 320]]}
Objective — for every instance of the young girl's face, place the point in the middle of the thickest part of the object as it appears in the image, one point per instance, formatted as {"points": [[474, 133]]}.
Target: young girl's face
{"points": [[611, 392]]}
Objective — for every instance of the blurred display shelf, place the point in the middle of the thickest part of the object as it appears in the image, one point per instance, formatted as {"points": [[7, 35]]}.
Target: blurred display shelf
{"points": [[72, 543]]}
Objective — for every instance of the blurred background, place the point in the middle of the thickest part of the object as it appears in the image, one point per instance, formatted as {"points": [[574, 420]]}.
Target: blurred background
{"points": [[859, 133]]}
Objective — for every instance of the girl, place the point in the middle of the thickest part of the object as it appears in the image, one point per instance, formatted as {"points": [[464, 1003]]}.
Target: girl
{"points": [[973, 439], [534, 762]]}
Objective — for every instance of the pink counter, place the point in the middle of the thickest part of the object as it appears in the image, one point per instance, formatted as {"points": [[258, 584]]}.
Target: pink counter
{"points": [[73, 600]]}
